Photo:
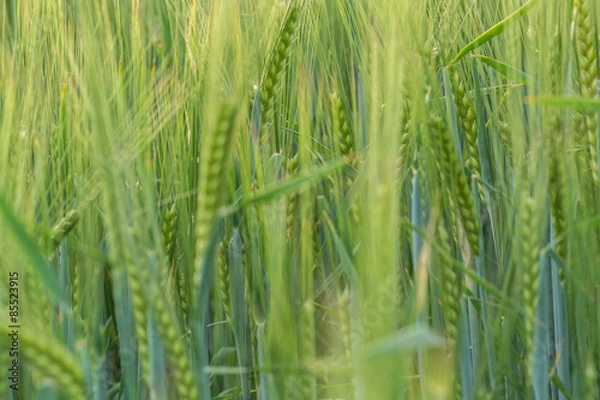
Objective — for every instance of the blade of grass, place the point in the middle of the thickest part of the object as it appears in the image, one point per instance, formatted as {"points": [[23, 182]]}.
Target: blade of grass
{"points": [[542, 327], [407, 340], [239, 310], [494, 31], [346, 260], [127, 347], [577, 103], [274, 192], [505, 69]]}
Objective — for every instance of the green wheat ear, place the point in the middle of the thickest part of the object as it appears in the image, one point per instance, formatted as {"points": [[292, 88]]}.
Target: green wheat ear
{"points": [[53, 361], [216, 153], [292, 201], [528, 236], [451, 288], [64, 226], [468, 119], [168, 234], [588, 65], [459, 187], [345, 144], [558, 188], [223, 272], [275, 66], [140, 317], [406, 145], [173, 344]]}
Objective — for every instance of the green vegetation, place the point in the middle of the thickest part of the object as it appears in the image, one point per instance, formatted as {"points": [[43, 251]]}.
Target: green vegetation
{"points": [[300, 199]]}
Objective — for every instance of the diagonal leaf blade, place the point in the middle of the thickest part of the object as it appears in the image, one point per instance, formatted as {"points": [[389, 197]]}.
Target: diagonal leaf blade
{"points": [[494, 31], [577, 103], [505, 69]]}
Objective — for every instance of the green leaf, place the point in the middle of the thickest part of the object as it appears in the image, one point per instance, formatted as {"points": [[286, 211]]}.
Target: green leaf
{"points": [[494, 31], [124, 319], [220, 370], [239, 309], [505, 69], [293, 185], [405, 341], [346, 260], [561, 386], [224, 357], [543, 331], [578, 103]]}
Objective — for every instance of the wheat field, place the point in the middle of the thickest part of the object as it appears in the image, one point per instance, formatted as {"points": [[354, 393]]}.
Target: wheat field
{"points": [[299, 199]]}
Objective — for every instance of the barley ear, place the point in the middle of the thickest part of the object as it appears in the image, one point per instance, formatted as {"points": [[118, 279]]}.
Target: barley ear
{"points": [[223, 272], [451, 289], [216, 152], [168, 234], [292, 200], [459, 186], [64, 226], [528, 262], [405, 147], [346, 148], [174, 348], [140, 320], [275, 66], [52, 360], [469, 124], [558, 190], [588, 65]]}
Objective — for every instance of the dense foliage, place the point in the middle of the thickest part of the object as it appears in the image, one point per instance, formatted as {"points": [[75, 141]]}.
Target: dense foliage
{"points": [[312, 199]]}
